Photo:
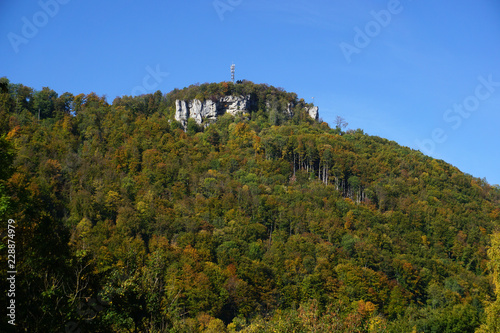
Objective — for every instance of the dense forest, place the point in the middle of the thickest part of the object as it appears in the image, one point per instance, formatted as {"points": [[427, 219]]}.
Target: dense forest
{"points": [[259, 222]]}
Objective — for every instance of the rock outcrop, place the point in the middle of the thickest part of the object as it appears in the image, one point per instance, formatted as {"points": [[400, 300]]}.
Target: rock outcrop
{"points": [[313, 112], [209, 110], [235, 104]]}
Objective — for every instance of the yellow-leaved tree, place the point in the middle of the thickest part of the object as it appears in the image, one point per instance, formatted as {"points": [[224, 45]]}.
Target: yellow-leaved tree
{"points": [[492, 322]]}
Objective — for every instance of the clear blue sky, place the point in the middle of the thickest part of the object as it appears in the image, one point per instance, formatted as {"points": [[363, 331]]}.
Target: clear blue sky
{"points": [[400, 78]]}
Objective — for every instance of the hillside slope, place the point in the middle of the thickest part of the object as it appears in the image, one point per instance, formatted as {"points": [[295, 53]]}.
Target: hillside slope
{"points": [[259, 222]]}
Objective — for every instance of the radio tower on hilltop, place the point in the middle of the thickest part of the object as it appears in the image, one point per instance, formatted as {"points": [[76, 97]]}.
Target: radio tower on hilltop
{"points": [[232, 72]]}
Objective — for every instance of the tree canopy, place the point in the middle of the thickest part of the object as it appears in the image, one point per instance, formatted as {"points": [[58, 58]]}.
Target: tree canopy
{"points": [[256, 223]]}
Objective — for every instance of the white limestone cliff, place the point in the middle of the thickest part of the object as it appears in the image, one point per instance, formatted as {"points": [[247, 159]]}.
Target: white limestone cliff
{"points": [[313, 112], [210, 110], [201, 111]]}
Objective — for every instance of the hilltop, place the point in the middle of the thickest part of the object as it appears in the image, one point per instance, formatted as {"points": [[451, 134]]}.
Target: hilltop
{"points": [[214, 100], [135, 216]]}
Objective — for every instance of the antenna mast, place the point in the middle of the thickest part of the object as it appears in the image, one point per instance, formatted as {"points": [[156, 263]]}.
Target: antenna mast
{"points": [[232, 72]]}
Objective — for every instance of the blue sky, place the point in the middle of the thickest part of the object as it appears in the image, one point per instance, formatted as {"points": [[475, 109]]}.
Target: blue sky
{"points": [[424, 74]]}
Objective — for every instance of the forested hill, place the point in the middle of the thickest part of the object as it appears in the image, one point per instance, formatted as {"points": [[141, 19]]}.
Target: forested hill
{"points": [[259, 222]]}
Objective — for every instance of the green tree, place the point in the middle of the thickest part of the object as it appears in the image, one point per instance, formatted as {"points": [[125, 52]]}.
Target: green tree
{"points": [[44, 103], [492, 310]]}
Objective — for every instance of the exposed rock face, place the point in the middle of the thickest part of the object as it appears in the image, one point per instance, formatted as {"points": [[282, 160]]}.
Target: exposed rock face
{"points": [[181, 110], [195, 109], [313, 112], [201, 111], [289, 110], [235, 104]]}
